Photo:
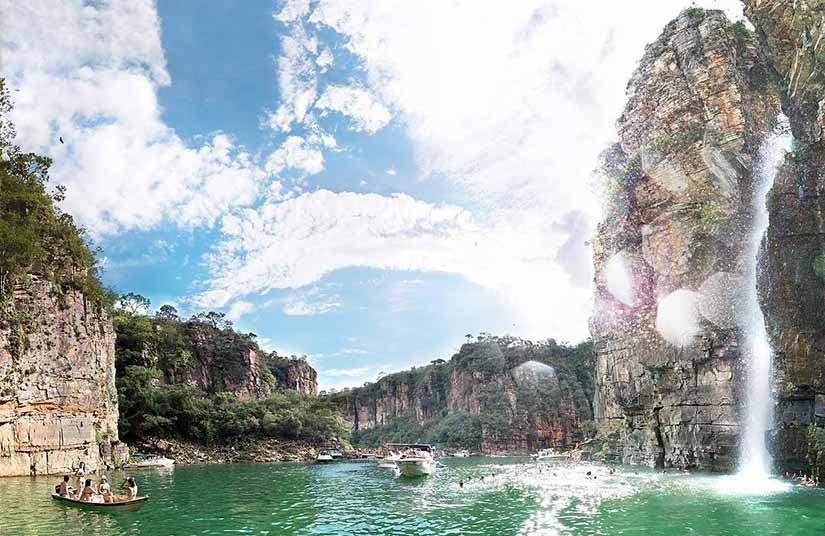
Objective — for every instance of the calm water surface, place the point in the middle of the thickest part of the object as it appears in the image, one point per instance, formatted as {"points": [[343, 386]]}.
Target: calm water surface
{"points": [[359, 498]]}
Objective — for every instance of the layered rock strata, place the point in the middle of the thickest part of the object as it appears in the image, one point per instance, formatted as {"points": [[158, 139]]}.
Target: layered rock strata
{"points": [[671, 256], [58, 403], [792, 38]]}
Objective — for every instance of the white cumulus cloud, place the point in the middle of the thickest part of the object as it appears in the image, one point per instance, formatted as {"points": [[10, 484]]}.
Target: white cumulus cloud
{"points": [[367, 113], [94, 81], [294, 243]]}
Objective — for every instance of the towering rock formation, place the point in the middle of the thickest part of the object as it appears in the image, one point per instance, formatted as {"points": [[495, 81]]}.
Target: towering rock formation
{"points": [[792, 38], [671, 255], [58, 403], [301, 377]]}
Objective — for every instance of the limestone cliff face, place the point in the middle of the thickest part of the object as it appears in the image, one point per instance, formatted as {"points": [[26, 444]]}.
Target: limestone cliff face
{"points": [[301, 377], [791, 36], [521, 409], [247, 381], [58, 403], [670, 257], [226, 361]]}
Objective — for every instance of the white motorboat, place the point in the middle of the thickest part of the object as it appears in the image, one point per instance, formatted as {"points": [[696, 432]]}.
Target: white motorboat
{"points": [[336, 454], [389, 461], [549, 454], [139, 461], [324, 456], [416, 460], [461, 454]]}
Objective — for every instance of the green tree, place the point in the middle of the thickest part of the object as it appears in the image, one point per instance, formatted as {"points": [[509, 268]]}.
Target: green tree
{"points": [[36, 237]]}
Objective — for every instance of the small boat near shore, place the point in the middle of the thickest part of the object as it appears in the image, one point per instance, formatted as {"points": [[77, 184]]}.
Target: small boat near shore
{"points": [[132, 505], [139, 461], [324, 456]]}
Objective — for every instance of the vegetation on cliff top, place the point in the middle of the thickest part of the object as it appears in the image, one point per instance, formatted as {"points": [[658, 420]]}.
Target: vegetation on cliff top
{"points": [[492, 364], [175, 379], [36, 237]]}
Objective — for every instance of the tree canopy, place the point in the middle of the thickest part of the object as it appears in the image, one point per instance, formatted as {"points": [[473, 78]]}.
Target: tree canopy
{"points": [[36, 236]]}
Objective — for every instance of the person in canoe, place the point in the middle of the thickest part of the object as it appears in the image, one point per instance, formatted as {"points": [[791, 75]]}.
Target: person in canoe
{"points": [[131, 487], [79, 475], [63, 487], [104, 490], [88, 493]]}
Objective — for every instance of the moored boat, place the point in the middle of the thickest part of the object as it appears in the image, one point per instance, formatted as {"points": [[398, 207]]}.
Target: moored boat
{"points": [[416, 460], [139, 461], [324, 456], [131, 505]]}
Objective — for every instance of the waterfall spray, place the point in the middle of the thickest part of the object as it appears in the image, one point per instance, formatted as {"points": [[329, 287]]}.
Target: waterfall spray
{"points": [[755, 462]]}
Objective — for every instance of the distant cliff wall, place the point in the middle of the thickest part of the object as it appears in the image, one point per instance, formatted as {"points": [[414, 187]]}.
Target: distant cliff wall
{"points": [[58, 403], [301, 377], [522, 396]]}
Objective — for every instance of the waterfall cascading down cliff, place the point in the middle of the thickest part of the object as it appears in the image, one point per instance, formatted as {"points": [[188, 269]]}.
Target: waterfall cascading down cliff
{"points": [[755, 462], [672, 256]]}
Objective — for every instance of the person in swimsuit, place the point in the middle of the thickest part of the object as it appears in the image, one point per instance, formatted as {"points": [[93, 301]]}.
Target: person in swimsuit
{"points": [[131, 487], [88, 493], [79, 475], [63, 487]]}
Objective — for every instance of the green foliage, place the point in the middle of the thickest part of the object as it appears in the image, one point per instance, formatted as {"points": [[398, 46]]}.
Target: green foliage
{"points": [[711, 217], [35, 235], [150, 408], [657, 149], [619, 174], [156, 358]]}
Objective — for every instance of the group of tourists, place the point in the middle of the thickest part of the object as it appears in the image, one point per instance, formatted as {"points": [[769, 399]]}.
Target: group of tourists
{"points": [[87, 490], [804, 480]]}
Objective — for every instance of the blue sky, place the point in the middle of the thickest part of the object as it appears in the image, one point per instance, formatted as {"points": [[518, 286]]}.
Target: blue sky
{"points": [[361, 182]]}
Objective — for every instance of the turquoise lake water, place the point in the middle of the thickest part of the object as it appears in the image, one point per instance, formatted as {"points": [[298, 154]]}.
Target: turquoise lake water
{"points": [[359, 498]]}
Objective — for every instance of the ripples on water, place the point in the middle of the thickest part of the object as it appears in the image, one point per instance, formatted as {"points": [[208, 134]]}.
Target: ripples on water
{"points": [[358, 498]]}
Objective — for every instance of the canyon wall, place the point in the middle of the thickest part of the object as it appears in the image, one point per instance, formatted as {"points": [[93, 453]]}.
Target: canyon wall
{"points": [[521, 397], [792, 287], [670, 257], [301, 377], [58, 403]]}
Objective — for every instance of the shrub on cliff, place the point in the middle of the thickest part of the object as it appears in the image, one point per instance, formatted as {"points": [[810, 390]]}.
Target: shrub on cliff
{"points": [[35, 235]]}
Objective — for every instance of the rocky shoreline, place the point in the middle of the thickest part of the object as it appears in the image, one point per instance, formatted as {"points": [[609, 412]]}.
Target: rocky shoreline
{"points": [[243, 451]]}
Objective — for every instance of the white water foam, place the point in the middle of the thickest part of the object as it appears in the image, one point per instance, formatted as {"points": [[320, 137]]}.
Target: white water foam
{"points": [[754, 459]]}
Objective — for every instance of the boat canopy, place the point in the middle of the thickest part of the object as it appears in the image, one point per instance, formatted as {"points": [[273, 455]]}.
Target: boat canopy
{"points": [[409, 446]]}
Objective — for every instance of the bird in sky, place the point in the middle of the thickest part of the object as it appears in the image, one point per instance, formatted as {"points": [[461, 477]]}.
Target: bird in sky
{"points": [[61, 139]]}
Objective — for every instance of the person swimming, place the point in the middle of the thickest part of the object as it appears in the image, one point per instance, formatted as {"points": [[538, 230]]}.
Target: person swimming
{"points": [[460, 483]]}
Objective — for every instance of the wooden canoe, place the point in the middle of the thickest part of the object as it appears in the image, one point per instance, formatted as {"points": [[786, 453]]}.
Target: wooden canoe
{"points": [[123, 506]]}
